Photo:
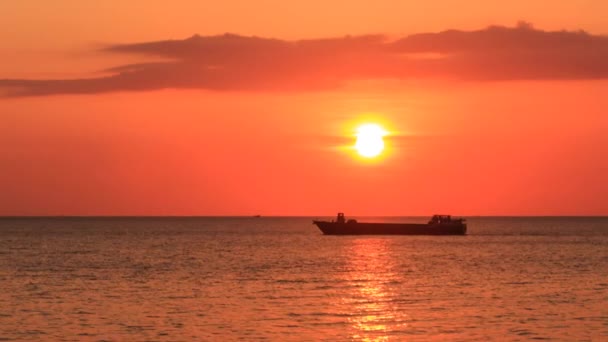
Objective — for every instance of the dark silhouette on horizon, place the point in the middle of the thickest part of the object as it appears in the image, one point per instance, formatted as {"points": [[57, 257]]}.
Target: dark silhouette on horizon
{"points": [[438, 225]]}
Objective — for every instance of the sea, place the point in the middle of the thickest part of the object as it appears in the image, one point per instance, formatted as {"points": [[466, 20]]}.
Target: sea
{"points": [[280, 279]]}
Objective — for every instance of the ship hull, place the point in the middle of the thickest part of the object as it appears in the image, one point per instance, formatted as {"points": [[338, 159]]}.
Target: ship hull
{"points": [[335, 228]]}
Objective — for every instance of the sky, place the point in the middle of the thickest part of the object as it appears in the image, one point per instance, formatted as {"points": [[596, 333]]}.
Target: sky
{"points": [[246, 108]]}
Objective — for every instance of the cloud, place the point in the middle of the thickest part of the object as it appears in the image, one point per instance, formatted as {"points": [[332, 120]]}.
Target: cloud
{"points": [[502, 53], [233, 62]]}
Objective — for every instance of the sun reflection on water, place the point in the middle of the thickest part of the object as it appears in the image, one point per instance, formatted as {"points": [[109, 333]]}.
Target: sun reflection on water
{"points": [[373, 314]]}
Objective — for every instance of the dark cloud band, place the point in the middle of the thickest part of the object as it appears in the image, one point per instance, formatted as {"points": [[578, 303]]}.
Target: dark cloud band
{"points": [[233, 62]]}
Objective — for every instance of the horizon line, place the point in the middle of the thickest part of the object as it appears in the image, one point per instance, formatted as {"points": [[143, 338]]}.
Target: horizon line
{"points": [[286, 216]]}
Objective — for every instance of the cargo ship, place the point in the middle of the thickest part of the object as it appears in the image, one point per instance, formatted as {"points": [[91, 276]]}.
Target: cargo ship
{"points": [[438, 225]]}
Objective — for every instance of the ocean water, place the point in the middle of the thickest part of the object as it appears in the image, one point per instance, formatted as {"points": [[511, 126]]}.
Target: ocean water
{"points": [[279, 279]]}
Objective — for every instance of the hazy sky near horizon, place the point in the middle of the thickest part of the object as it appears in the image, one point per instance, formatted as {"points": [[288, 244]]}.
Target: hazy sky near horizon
{"points": [[148, 108]]}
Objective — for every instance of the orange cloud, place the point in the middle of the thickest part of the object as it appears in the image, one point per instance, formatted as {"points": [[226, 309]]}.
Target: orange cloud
{"points": [[233, 62]]}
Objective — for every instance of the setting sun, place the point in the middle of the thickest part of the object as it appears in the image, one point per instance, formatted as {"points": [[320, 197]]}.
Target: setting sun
{"points": [[369, 142]]}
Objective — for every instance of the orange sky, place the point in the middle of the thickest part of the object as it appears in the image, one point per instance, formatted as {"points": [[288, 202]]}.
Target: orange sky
{"points": [[495, 133]]}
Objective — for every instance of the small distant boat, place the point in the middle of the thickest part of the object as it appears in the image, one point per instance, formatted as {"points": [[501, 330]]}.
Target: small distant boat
{"points": [[438, 225], [257, 216]]}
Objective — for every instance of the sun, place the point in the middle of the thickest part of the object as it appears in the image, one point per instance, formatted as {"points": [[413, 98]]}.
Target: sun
{"points": [[369, 142]]}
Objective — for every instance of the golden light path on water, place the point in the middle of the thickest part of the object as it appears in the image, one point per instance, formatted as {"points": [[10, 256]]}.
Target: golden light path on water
{"points": [[373, 314]]}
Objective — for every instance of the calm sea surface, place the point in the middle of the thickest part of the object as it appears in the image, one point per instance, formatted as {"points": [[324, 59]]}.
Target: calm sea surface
{"points": [[278, 279]]}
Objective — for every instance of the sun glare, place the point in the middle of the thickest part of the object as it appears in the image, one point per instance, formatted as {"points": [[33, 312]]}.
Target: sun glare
{"points": [[369, 140]]}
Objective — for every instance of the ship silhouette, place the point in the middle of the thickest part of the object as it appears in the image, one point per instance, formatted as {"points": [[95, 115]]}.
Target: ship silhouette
{"points": [[438, 225]]}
